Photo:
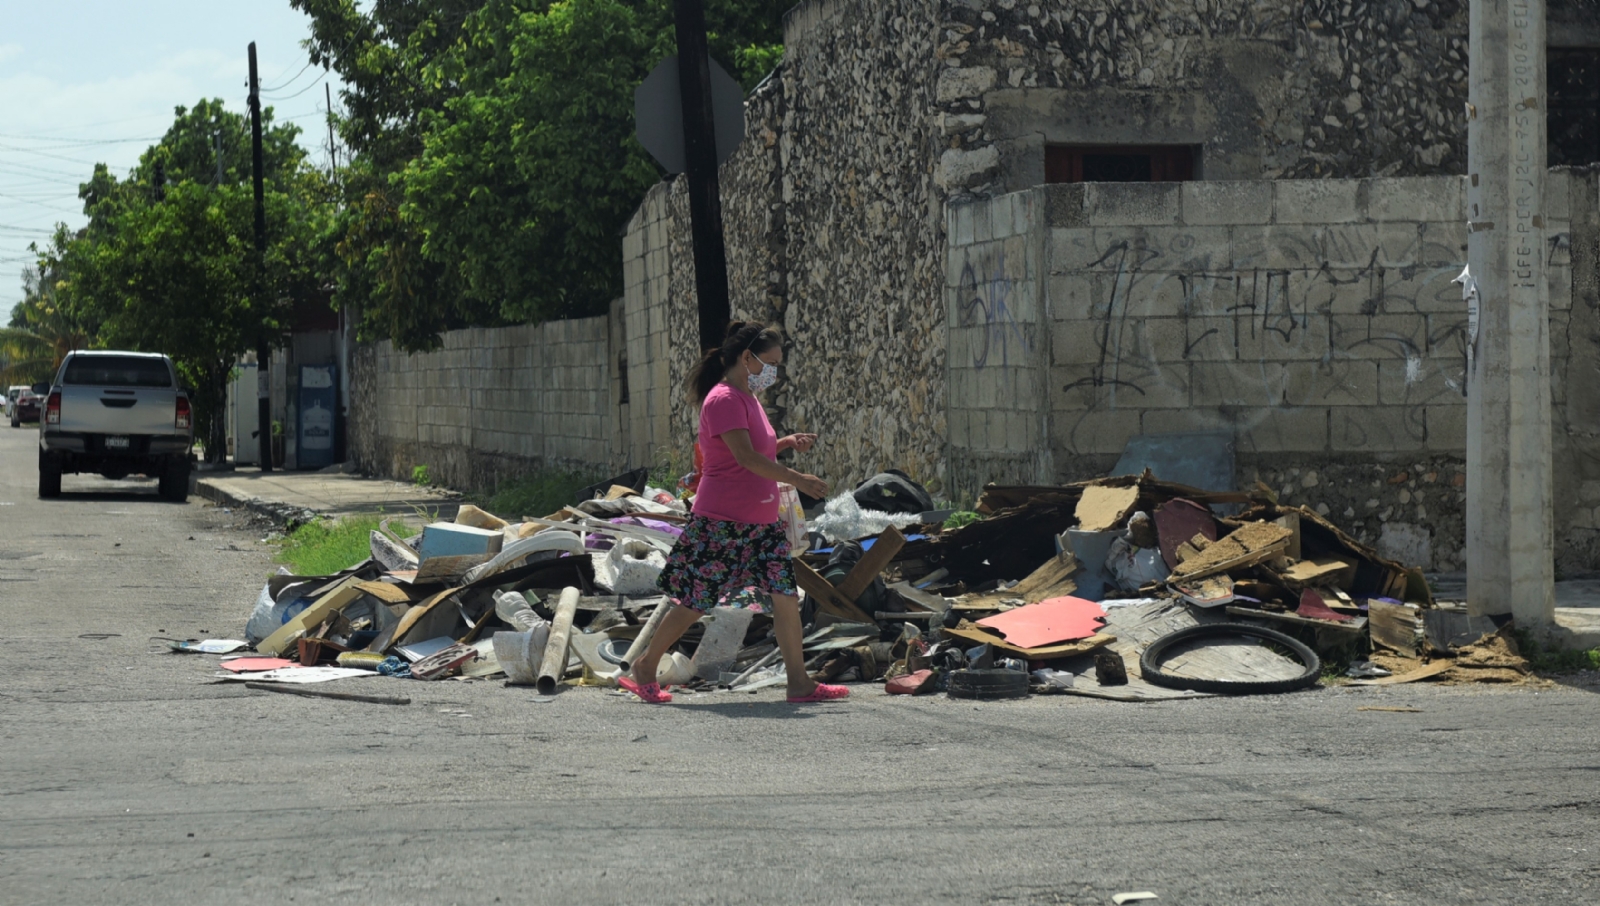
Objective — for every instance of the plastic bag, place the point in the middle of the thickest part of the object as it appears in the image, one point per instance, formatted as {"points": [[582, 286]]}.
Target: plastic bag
{"points": [[843, 519], [793, 517]]}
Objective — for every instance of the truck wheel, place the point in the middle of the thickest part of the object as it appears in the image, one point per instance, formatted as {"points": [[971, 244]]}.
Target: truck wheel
{"points": [[15, 422], [174, 483], [49, 477]]}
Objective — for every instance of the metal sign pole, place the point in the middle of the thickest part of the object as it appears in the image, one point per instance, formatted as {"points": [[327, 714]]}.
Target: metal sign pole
{"points": [[700, 158]]}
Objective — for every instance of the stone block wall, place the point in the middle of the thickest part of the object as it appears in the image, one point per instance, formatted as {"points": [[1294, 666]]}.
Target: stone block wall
{"points": [[1263, 88], [491, 404], [998, 343], [1315, 322], [835, 234]]}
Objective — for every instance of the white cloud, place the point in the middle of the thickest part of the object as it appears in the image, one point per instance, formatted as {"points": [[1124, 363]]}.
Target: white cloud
{"points": [[8, 51]]}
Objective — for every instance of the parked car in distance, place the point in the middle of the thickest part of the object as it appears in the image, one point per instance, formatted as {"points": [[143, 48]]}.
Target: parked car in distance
{"points": [[22, 405], [116, 414]]}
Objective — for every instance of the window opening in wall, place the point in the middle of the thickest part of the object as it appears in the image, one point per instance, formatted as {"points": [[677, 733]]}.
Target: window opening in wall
{"points": [[1120, 163], [1573, 118]]}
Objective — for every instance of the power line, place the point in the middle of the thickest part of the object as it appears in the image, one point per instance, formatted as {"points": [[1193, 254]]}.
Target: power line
{"points": [[291, 78], [303, 90], [70, 160], [78, 142]]}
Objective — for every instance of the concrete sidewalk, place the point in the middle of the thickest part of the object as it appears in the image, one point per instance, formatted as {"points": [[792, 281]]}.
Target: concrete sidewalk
{"points": [[285, 495]]}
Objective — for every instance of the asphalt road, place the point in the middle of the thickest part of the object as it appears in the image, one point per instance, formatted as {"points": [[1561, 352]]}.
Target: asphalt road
{"points": [[128, 776]]}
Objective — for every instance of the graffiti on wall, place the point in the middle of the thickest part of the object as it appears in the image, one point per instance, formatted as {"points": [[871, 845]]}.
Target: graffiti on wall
{"points": [[983, 303], [1306, 322]]}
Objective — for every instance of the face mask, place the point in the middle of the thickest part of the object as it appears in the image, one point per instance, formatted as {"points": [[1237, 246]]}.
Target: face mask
{"points": [[767, 377]]}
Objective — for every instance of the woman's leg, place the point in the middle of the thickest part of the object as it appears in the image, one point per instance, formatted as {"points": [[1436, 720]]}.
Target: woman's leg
{"points": [[786, 626], [672, 628]]}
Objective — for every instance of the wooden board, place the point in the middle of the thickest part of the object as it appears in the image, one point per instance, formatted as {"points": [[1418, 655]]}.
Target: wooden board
{"points": [[1425, 672], [415, 615], [1398, 627], [1051, 580], [387, 592], [1246, 545], [872, 563], [1355, 626], [1323, 570], [827, 597], [1102, 509], [329, 604]]}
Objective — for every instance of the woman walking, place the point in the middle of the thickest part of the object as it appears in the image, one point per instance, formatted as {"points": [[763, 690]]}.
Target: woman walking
{"points": [[733, 545]]}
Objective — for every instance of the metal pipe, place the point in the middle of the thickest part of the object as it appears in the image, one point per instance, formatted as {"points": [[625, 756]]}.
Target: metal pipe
{"points": [[642, 641], [766, 661], [553, 666]]}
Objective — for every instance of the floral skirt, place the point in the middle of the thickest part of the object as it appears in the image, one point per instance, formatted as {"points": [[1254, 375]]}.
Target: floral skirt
{"points": [[732, 564]]}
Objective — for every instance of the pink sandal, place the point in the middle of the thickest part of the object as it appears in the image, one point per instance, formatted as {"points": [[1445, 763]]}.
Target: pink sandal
{"points": [[649, 693], [823, 693]]}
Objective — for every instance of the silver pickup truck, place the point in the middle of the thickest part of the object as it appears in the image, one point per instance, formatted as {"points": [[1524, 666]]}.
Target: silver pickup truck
{"points": [[115, 414]]}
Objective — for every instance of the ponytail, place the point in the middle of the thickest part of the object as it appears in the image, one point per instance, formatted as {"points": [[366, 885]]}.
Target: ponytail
{"points": [[740, 337]]}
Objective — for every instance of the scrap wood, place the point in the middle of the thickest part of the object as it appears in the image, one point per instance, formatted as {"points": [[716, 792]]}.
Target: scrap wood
{"points": [[1426, 671], [345, 594], [1053, 579], [1246, 545], [1208, 592], [1354, 625], [1398, 627], [828, 598], [874, 561], [1102, 508], [1322, 570], [329, 693], [1375, 575], [1181, 522], [1394, 710], [387, 592], [1048, 622], [973, 633]]}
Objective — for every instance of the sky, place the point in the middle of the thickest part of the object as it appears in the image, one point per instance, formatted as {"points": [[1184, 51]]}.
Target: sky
{"points": [[87, 81]]}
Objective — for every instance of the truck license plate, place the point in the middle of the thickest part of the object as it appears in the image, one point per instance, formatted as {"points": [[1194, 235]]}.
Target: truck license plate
{"points": [[116, 442]]}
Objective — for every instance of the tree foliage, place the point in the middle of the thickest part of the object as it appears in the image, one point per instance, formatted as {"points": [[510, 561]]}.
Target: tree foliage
{"points": [[496, 163], [168, 261]]}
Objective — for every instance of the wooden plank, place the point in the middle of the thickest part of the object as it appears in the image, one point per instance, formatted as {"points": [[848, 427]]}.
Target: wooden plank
{"points": [[329, 604], [387, 592], [1430, 670], [828, 598], [1355, 626], [872, 563], [1398, 627], [326, 693]]}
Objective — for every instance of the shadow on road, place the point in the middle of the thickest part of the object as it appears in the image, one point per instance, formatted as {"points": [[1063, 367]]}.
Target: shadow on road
{"points": [[763, 710]]}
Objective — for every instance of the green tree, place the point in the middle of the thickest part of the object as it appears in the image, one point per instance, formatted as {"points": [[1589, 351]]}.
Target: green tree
{"points": [[50, 321], [168, 262], [495, 154]]}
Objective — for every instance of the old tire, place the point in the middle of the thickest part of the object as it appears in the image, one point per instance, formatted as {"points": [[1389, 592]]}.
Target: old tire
{"points": [[174, 483], [49, 477], [988, 684], [1150, 661]]}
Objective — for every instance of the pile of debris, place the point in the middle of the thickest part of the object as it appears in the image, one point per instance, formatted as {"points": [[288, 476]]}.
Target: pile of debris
{"points": [[1127, 588]]}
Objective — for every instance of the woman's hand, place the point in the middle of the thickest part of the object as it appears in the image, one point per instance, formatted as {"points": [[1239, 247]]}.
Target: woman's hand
{"points": [[811, 486], [800, 443]]}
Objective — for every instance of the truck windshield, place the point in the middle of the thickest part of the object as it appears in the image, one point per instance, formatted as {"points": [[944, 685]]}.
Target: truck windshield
{"points": [[117, 371]]}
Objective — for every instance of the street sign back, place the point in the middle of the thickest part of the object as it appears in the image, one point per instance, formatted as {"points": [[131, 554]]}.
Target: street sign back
{"points": [[658, 112]]}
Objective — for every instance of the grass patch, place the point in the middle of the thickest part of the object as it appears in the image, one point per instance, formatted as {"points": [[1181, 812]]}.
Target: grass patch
{"points": [[961, 519], [536, 494], [1555, 660], [325, 546]]}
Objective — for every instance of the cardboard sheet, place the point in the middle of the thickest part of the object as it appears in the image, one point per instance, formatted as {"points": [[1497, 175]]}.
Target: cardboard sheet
{"points": [[1042, 653], [1104, 508], [255, 664], [1048, 622], [299, 675]]}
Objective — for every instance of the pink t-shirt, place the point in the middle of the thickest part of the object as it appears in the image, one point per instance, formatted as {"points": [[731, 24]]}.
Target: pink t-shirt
{"points": [[728, 491]]}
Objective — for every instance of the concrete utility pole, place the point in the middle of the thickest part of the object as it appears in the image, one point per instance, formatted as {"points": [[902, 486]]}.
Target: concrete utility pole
{"points": [[700, 159], [1510, 565], [263, 350]]}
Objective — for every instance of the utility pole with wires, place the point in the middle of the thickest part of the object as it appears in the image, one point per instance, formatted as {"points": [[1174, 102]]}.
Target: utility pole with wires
{"points": [[263, 349], [333, 150]]}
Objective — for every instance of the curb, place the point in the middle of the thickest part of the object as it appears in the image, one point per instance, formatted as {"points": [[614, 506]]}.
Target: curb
{"points": [[284, 515]]}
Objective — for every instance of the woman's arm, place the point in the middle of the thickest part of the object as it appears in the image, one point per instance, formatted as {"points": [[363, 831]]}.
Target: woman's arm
{"points": [[738, 441]]}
